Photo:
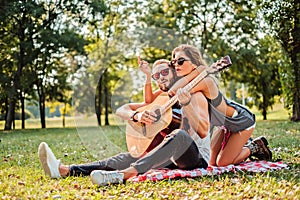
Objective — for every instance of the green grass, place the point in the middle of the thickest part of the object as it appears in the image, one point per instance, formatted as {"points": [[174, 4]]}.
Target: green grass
{"points": [[276, 113], [21, 175]]}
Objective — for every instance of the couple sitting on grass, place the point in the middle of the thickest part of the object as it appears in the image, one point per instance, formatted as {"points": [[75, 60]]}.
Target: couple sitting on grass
{"points": [[187, 143]]}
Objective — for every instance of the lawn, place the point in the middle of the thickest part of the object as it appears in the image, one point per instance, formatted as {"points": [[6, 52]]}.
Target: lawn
{"points": [[21, 175]]}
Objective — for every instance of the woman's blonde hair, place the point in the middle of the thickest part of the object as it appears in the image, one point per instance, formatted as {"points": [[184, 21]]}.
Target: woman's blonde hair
{"points": [[191, 52]]}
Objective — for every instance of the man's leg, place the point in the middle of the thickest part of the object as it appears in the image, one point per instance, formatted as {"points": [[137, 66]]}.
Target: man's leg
{"points": [[118, 162], [178, 148], [54, 169]]}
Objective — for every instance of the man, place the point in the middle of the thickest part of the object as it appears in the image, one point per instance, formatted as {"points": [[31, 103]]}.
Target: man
{"points": [[183, 149]]}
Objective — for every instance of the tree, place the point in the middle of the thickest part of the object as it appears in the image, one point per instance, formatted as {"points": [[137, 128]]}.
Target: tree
{"points": [[265, 73], [223, 27], [17, 23], [284, 20], [108, 53], [43, 33]]}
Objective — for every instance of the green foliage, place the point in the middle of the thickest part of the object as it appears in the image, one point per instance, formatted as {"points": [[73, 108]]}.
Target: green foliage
{"points": [[284, 21], [49, 46], [22, 177], [265, 73], [46, 42]]}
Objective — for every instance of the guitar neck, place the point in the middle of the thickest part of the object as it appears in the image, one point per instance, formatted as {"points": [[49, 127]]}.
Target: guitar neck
{"points": [[195, 81], [188, 87]]}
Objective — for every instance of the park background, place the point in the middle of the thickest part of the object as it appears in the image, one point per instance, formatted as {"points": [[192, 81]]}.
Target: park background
{"points": [[75, 58], [66, 65]]}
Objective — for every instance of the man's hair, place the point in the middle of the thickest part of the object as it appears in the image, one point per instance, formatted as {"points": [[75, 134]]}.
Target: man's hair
{"points": [[161, 61], [191, 52]]}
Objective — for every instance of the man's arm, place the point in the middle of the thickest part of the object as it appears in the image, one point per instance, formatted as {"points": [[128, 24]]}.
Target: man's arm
{"points": [[128, 110], [148, 92], [149, 95]]}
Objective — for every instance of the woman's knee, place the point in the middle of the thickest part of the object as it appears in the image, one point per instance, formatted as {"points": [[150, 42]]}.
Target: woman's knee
{"points": [[222, 161]]}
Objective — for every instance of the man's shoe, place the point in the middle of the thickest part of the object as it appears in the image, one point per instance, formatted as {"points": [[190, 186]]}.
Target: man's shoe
{"points": [[259, 149], [102, 177], [49, 162]]}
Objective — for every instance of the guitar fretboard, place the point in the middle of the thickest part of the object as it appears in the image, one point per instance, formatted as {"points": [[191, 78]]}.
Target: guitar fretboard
{"points": [[210, 70], [188, 87]]}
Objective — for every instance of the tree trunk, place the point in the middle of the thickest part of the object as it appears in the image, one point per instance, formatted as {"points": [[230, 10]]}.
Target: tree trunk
{"points": [[64, 115], [41, 104], [232, 91], [10, 114], [106, 105], [265, 107], [42, 112], [295, 55], [22, 110], [14, 121], [296, 105], [264, 114], [98, 97]]}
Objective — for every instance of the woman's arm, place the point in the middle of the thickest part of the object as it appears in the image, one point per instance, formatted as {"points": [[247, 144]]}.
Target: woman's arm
{"points": [[195, 109], [207, 86], [185, 80]]}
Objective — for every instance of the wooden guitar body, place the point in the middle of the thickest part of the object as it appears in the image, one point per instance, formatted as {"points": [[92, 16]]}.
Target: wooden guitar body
{"points": [[138, 135]]}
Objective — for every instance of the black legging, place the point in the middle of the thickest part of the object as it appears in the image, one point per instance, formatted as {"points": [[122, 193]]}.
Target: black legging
{"points": [[177, 150]]}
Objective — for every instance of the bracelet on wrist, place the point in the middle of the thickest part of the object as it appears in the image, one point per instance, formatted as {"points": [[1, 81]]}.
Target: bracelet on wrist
{"points": [[185, 104], [132, 116]]}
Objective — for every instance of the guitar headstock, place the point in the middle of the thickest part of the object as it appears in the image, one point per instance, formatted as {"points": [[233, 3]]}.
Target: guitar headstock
{"points": [[219, 65]]}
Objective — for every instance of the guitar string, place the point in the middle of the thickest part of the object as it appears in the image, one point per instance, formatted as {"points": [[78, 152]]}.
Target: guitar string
{"points": [[188, 87]]}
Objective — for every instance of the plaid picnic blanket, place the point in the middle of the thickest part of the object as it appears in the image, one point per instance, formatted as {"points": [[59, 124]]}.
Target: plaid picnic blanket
{"points": [[250, 166]]}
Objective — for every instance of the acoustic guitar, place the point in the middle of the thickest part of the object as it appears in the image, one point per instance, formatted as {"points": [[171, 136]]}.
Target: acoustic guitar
{"points": [[140, 136]]}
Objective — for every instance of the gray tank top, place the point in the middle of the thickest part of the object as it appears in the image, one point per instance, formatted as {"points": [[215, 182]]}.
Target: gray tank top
{"points": [[243, 120]]}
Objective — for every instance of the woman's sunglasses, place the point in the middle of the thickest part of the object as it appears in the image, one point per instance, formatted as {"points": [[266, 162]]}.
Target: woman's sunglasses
{"points": [[179, 61], [164, 72]]}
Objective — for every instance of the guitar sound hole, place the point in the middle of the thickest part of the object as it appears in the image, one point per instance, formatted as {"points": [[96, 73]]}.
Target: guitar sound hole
{"points": [[158, 115]]}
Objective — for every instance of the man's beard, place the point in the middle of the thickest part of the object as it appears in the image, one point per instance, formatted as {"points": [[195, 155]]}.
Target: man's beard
{"points": [[166, 88]]}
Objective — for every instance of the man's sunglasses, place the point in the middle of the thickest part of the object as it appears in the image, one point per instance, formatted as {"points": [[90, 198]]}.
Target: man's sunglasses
{"points": [[164, 72], [179, 61]]}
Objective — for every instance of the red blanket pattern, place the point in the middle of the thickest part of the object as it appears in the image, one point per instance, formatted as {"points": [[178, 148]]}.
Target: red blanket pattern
{"points": [[250, 166]]}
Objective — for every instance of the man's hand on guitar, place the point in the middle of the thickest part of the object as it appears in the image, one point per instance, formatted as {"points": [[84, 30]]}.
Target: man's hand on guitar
{"points": [[146, 117]]}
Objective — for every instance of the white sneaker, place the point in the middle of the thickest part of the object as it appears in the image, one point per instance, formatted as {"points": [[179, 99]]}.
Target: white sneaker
{"points": [[102, 177], [49, 162]]}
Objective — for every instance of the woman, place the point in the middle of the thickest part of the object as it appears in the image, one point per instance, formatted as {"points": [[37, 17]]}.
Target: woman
{"points": [[235, 121]]}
